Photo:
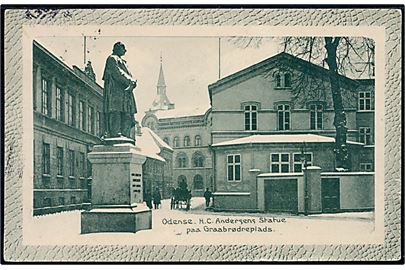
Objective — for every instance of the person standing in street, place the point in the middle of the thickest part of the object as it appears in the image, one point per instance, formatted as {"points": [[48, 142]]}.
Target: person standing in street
{"points": [[207, 196], [157, 198]]}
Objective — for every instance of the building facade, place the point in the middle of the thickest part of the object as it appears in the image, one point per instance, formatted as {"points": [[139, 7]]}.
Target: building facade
{"points": [[273, 117], [188, 132], [67, 115], [276, 117], [68, 122]]}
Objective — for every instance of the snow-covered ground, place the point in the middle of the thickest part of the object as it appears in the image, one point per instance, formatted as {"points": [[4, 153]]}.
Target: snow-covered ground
{"points": [[199, 226]]}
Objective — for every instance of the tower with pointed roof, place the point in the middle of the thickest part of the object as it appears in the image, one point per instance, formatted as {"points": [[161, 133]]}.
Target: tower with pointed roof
{"points": [[161, 101]]}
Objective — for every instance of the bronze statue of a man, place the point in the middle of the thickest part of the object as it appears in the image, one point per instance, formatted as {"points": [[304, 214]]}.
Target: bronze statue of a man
{"points": [[119, 101]]}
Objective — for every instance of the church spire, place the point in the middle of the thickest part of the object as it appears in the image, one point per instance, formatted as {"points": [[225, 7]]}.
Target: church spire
{"points": [[161, 80], [161, 101]]}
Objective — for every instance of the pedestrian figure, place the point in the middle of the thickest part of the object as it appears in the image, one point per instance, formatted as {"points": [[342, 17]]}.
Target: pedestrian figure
{"points": [[157, 198], [207, 196]]}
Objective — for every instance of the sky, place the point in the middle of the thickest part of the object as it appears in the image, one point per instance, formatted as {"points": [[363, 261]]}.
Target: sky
{"points": [[190, 64]]}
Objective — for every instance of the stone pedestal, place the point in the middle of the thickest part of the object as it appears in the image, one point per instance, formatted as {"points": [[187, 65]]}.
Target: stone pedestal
{"points": [[117, 201]]}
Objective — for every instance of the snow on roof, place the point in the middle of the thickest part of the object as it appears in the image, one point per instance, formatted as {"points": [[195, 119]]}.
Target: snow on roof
{"points": [[148, 144], [184, 112], [161, 143], [282, 138]]}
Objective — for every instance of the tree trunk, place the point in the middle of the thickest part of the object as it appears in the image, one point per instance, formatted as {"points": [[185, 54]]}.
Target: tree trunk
{"points": [[341, 153]]}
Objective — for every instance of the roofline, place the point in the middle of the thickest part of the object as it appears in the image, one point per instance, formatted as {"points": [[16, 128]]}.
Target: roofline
{"points": [[67, 67], [256, 143], [185, 116], [266, 62]]}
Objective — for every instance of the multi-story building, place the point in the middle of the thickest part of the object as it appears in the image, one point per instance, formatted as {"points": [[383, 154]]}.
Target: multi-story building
{"points": [[275, 117], [68, 121], [187, 131]]}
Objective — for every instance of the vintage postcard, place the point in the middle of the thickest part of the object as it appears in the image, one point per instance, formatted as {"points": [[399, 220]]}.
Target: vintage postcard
{"points": [[270, 134]]}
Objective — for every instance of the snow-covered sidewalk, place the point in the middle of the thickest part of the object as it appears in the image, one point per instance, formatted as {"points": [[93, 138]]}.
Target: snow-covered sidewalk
{"points": [[199, 226]]}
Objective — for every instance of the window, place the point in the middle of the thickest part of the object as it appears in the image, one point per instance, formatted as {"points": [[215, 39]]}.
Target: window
{"points": [[46, 159], [47, 202], [61, 200], [59, 159], [90, 121], [365, 135], [61, 182], [83, 183], [71, 110], [98, 122], [283, 115], [72, 183], [233, 165], [197, 140], [166, 140], [59, 104], [176, 142], [280, 163], [89, 169], [366, 167], [82, 118], [46, 165], [73, 200], [71, 163], [81, 164], [283, 80], [300, 160], [198, 182], [287, 80], [316, 116], [45, 97], [278, 80], [250, 117], [364, 101], [198, 160], [182, 160], [186, 141]]}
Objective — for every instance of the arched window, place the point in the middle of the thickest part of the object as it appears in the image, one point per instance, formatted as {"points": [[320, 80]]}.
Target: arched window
{"points": [[287, 80], [198, 182], [278, 80], [186, 141], [282, 79], [176, 142], [166, 140], [198, 160], [197, 140], [182, 160]]}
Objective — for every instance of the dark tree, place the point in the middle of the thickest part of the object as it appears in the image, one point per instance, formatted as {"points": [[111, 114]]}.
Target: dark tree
{"points": [[343, 56]]}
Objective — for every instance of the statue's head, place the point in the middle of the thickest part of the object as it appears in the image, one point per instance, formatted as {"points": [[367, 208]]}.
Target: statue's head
{"points": [[119, 49]]}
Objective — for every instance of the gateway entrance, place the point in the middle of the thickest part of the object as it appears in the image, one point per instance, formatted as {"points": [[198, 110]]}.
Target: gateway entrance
{"points": [[280, 195]]}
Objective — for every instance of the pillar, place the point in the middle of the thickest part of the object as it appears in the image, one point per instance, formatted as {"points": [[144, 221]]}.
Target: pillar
{"points": [[312, 189]]}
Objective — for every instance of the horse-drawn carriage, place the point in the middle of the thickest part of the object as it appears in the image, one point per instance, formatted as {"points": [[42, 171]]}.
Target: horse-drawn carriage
{"points": [[181, 197]]}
